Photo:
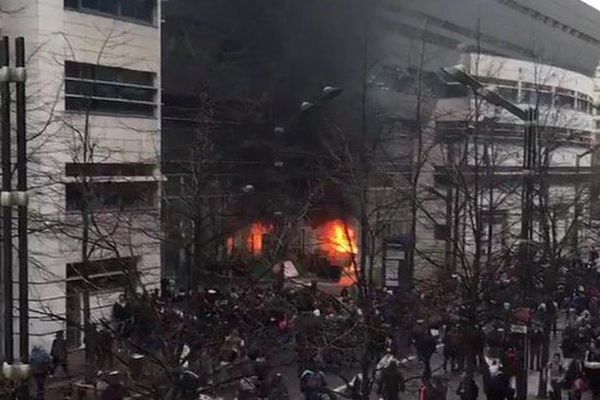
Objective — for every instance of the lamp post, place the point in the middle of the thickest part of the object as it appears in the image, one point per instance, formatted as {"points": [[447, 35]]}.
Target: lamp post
{"points": [[577, 210], [10, 198], [529, 116], [17, 376]]}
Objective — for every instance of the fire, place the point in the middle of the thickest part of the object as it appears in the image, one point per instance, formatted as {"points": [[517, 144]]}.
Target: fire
{"points": [[343, 238], [340, 243], [255, 238]]}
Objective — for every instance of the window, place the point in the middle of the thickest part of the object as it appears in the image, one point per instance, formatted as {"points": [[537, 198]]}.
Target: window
{"points": [[109, 169], [583, 105], [106, 196], [536, 97], [486, 80], [509, 93], [564, 101], [454, 90], [101, 268], [141, 10], [598, 124], [98, 88]]}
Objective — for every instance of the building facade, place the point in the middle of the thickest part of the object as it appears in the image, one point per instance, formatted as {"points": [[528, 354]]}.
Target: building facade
{"points": [[93, 125], [478, 164], [404, 43]]}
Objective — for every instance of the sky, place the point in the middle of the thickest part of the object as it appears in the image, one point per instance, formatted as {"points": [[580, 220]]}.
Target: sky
{"points": [[594, 3]]}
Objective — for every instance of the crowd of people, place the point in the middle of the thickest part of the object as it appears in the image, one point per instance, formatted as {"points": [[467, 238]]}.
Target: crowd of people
{"points": [[209, 337]]}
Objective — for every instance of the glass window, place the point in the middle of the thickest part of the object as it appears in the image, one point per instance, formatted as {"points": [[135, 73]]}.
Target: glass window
{"points": [[139, 9], [508, 93], [455, 90], [544, 98], [582, 105], [125, 195], [142, 10], [564, 101], [91, 4], [109, 6], [528, 96], [108, 89]]}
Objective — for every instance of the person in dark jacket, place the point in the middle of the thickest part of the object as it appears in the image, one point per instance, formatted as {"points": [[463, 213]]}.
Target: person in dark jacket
{"points": [[115, 389], [277, 389], [392, 382], [59, 353], [41, 364], [425, 345], [467, 388]]}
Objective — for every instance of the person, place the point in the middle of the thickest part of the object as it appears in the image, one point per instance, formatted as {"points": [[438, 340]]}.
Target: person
{"points": [[424, 388], [593, 354], [392, 382], [120, 314], [467, 388], [41, 364], [425, 345], [104, 349], [248, 388], [556, 371], [234, 346], [312, 384], [59, 353], [355, 388], [278, 390], [450, 341], [115, 389], [536, 339], [91, 343], [573, 374], [500, 387], [511, 362]]}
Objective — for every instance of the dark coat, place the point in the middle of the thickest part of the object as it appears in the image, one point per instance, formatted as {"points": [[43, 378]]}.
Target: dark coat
{"points": [[114, 392], [468, 390], [392, 383], [59, 349]]}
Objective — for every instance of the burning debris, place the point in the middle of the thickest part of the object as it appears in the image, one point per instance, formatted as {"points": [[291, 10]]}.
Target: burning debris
{"points": [[339, 242]]}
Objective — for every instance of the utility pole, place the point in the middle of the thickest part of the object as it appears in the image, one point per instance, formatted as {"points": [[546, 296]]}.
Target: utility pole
{"points": [[10, 198], [6, 206], [22, 188], [529, 171]]}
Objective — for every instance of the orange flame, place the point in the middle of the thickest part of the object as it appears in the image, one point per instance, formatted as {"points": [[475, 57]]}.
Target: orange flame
{"points": [[340, 243], [255, 238]]}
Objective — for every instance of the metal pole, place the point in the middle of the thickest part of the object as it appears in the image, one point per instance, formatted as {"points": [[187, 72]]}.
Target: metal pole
{"points": [[525, 246], [22, 187], [6, 210]]}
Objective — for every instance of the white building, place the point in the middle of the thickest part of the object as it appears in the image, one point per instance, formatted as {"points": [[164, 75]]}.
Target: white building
{"points": [[94, 123], [480, 144]]}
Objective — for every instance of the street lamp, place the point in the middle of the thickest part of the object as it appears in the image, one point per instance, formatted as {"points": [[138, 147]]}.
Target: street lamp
{"points": [[248, 188], [17, 375], [330, 92], [530, 118]]}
